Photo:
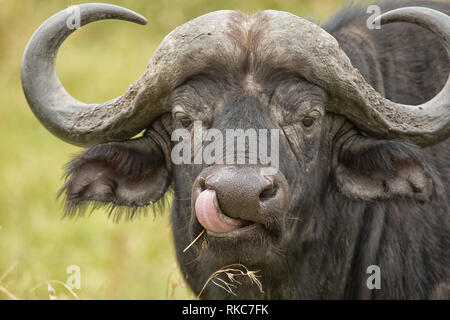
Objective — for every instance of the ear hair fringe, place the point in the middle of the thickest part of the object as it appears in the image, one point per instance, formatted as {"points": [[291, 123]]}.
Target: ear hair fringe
{"points": [[116, 212]]}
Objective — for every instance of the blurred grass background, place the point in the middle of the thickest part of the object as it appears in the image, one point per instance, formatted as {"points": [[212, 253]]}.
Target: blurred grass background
{"points": [[126, 260]]}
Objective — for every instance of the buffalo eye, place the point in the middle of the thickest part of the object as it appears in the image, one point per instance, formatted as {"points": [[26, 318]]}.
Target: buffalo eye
{"points": [[183, 118], [185, 121], [308, 121]]}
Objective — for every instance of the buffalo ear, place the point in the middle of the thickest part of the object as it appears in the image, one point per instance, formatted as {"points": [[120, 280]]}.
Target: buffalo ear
{"points": [[370, 169], [130, 174]]}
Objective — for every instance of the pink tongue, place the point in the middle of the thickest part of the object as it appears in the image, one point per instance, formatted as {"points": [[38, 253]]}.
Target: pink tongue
{"points": [[207, 213]]}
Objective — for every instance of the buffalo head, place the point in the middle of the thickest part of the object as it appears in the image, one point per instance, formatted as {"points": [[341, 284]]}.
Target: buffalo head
{"points": [[268, 72]]}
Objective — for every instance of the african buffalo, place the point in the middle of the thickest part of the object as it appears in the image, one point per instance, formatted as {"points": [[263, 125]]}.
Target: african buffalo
{"points": [[362, 115]]}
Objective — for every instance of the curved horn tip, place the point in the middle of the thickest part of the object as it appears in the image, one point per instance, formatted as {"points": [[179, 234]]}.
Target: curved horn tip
{"points": [[417, 15], [101, 11]]}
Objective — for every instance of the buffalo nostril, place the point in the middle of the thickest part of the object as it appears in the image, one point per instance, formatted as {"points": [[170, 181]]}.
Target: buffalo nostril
{"points": [[268, 192], [202, 184]]}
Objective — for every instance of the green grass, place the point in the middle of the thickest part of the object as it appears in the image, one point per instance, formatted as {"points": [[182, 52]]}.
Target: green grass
{"points": [[126, 260]]}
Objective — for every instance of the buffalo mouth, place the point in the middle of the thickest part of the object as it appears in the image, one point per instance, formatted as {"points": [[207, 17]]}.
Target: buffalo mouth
{"points": [[218, 224]]}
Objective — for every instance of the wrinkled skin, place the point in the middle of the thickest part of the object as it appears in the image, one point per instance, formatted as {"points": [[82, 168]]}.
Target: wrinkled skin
{"points": [[355, 200]]}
